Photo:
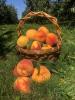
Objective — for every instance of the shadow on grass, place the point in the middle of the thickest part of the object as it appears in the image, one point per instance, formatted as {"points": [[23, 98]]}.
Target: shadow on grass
{"points": [[5, 43]]}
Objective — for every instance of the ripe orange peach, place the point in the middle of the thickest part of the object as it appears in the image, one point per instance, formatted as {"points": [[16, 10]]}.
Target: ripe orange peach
{"points": [[15, 73], [36, 45], [22, 84], [41, 75], [46, 47], [51, 39], [43, 29], [22, 41], [25, 67], [31, 33], [40, 36]]}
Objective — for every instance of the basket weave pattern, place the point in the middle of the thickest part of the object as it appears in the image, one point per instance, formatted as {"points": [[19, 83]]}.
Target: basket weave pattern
{"points": [[40, 54]]}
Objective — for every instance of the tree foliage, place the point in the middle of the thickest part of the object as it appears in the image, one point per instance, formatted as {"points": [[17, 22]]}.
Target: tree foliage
{"points": [[59, 8], [8, 13], [67, 9], [34, 5]]}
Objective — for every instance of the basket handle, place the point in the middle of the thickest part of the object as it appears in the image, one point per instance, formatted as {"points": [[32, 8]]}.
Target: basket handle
{"points": [[41, 14]]}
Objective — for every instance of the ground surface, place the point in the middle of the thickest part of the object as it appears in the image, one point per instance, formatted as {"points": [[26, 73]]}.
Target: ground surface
{"points": [[62, 84]]}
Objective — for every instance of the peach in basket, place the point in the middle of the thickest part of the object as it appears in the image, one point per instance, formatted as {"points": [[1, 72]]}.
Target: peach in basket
{"points": [[43, 29], [41, 35], [36, 45], [51, 39], [47, 47], [31, 33], [22, 41]]}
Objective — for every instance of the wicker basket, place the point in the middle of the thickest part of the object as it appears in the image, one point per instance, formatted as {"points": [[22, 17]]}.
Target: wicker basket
{"points": [[40, 54]]}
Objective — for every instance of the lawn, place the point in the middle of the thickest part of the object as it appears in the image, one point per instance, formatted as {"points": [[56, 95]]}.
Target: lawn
{"points": [[62, 84]]}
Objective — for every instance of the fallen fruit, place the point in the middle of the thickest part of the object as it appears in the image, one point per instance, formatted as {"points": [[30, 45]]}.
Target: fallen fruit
{"points": [[22, 41], [22, 84], [15, 73], [25, 67], [41, 75]]}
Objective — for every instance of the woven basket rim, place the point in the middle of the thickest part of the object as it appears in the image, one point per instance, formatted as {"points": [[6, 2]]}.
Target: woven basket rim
{"points": [[37, 52]]}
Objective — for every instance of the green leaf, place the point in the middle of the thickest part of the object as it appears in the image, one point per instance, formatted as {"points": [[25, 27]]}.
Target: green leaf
{"points": [[29, 44]]}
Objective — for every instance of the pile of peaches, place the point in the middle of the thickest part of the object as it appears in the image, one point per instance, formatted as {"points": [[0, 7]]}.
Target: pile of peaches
{"points": [[25, 73], [42, 39]]}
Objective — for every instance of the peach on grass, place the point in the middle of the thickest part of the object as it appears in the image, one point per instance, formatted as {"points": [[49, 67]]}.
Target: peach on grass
{"points": [[22, 41], [36, 45], [15, 73], [51, 39], [22, 84], [41, 75], [24, 68]]}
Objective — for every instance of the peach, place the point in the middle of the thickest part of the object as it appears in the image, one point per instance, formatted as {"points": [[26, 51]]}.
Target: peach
{"points": [[15, 73], [22, 41], [51, 39], [41, 75], [31, 33], [40, 36], [43, 29], [25, 68], [46, 47], [36, 45], [22, 84]]}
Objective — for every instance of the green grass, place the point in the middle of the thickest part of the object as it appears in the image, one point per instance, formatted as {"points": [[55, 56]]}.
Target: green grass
{"points": [[62, 84]]}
